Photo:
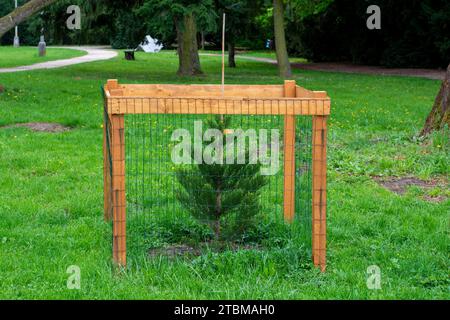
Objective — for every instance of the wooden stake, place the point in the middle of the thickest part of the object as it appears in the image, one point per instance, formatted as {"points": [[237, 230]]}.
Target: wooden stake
{"points": [[289, 156], [118, 189], [319, 205]]}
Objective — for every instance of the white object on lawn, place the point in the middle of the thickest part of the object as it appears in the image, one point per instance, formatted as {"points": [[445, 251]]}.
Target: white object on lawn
{"points": [[150, 45]]}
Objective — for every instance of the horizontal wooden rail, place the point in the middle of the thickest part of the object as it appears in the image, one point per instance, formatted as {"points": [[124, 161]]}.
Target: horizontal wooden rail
{"points": [[243, 106], [208, 99]]}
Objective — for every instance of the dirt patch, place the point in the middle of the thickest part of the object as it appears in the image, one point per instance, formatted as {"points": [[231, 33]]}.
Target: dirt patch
{"points": [[435, 199], [41, 126], [400, 185], [2, 89], [435, 74], [185, 251]]}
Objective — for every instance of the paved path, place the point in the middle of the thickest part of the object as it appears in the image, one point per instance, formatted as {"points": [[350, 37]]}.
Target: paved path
{"points": [[434, 74], [93, 54]]}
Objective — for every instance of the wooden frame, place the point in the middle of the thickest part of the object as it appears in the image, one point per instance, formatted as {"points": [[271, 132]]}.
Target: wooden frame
{"points": [[288, 100]]}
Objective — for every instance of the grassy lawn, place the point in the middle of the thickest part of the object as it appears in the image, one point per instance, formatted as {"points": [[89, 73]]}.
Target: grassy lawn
{"points": [[270, 54], [13, 57], [51, 201]]}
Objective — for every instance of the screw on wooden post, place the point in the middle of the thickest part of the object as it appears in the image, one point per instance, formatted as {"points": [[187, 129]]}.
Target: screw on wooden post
{"points": [[319, 182], [289, 156]]}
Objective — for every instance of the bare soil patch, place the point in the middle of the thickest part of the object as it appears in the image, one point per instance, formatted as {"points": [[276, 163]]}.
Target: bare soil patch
{"points": [[399, 185], [41, 127], [434, 74], [185, 251]]}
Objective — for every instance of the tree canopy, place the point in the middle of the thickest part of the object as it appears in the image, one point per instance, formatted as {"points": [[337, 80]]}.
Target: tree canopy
{"points": [[413, 33]]}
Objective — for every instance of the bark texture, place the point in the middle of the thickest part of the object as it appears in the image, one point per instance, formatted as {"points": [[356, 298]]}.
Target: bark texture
{"points": [[189, 61], [22, 13], [231, 55], [284, 67], [439, 115]]}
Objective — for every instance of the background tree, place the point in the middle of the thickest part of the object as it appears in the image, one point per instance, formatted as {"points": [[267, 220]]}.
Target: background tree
{"points": [[413, 33], [162, 16], [439, 115], [21, 14], [240, 17], [284, 66], [213, 192]]}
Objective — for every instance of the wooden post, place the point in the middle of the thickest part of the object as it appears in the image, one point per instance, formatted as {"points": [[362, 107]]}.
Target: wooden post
{"points": [[106, 174], [319, 167], [118, 189], [289, 156]]}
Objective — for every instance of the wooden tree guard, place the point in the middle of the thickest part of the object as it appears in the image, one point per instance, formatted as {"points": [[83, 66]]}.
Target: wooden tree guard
{"points": [[288, 100]]}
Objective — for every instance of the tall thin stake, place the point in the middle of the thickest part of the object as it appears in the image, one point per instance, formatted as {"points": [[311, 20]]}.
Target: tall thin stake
{"points": [[223, 55]]}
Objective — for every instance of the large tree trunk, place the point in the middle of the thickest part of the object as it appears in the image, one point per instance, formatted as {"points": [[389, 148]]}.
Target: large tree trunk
{"points": [[284, 67], [188, 47], [438, 116], [231, 54], [22, 13]]}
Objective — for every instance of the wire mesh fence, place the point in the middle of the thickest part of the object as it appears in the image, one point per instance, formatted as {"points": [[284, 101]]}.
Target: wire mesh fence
{"points": [[158, 214]]}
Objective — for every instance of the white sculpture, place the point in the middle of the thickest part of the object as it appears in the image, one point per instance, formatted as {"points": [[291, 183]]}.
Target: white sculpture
{"points": [[150, 45]]}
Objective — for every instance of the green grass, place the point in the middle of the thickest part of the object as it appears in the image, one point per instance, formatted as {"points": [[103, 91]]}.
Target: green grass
{"points": [[23, 56], [51, 194], [269, 54]]}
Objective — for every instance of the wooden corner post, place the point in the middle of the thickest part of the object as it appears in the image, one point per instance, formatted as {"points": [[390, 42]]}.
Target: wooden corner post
{"points": [[319, 167], [107, 170], [118, 184], [107, 207], [289, 156]]}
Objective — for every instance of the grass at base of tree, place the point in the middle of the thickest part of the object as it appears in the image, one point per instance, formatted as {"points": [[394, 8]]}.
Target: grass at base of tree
{"points": [[51, 201], [24, 56]]}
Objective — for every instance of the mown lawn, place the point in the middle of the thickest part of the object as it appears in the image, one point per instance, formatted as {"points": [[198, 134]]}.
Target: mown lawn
{"points": [[23, 56], [51, 198]]}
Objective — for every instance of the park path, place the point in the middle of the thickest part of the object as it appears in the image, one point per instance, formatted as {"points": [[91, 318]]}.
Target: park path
{"points": [[93, 54], [434, 74]]}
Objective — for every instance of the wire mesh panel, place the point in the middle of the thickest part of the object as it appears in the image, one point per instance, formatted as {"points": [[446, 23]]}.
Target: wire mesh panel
{"points": [[190, 165], [158, 190]]}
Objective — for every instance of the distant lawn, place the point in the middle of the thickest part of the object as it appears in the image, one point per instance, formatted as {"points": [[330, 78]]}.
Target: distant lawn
{"points": [[51, 200], [23, 56], [269, 54]]}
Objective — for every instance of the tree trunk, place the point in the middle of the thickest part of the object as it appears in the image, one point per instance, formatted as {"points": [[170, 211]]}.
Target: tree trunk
{"points": [[189, 61], [284, 67], [231, 54], [202, 44], [439, 116], [22, 13]]}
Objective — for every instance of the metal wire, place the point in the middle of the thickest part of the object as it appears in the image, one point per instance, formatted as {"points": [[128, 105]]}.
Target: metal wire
{"points": [[156, 216]]}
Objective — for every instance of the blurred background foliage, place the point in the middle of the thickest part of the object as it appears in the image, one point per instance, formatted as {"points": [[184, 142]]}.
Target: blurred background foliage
{"points": [[414, 33]]}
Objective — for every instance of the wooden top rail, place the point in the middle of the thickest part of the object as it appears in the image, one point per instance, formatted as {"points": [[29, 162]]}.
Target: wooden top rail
{"points": [[208, 99]]}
